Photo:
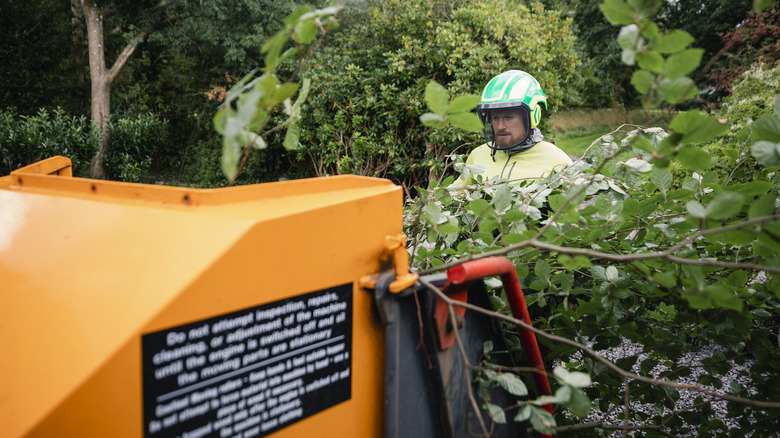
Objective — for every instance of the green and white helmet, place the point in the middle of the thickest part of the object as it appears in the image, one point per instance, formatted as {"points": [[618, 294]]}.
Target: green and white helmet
{"points": [[509, 90]]}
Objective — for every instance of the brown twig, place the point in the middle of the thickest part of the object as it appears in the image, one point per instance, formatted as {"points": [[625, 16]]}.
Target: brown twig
{"points": [[595, 355]]}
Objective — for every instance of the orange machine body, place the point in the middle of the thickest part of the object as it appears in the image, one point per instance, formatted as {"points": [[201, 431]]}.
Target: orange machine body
{"points": [[92, 270]]}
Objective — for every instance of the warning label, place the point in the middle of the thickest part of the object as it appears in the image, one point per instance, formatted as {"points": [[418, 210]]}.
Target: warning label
{"points": [[251, 372]]}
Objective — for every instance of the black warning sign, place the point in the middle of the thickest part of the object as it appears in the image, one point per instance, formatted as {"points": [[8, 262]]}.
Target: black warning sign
{"points": [[251, 372]]}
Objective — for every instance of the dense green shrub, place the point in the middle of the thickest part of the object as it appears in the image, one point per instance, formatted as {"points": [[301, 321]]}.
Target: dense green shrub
{"points": [[133, 141], [752, 97], [367, 98], [27, 139]]}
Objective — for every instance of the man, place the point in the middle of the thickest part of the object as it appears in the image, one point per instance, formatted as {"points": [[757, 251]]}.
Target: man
{"points": [[510, 110]]}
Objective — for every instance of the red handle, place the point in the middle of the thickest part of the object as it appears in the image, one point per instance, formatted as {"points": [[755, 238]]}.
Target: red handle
{"points": [[501, 266]]}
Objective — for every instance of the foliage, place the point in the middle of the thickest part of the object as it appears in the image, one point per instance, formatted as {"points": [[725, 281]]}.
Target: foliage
{"points": [[202, 51], [756, 40], [255, 98], [38, 62], [705, 20], [665, 251], [752, 97], [133, 141], [363, 116], [604, 74], [27, 139]]}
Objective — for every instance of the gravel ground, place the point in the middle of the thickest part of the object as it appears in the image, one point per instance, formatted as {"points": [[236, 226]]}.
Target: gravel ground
{"points": [[686, 401]]}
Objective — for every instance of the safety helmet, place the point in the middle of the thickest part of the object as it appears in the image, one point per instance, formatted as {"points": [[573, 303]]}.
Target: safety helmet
{"points": [[513, 89]]}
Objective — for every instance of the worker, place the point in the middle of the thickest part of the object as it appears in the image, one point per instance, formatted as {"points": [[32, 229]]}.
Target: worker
{"points": [[510, 109]]}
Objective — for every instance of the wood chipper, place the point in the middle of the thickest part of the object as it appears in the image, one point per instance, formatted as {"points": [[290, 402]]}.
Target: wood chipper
{"points": [[286, 308]]}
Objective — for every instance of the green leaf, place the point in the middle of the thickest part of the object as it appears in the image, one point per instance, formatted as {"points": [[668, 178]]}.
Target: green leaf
{"points": [[513, 215], [305, 31], [546, 400], [556, 201], [598, 273], [231, 153], [617, 12], [679, 194], [764, 206], [512, 238], [220, 119], [672, 42], [542, 421], [512, 384], [724, 205], [272, 48], [283, 92], [524, 413], [496, 413], [432, 213], [302, 95], [466, 121], [542, 269], [723, 296], [628, 38], [250, 139], [695, 209], [650, 60], [611, 274], [767, 153], [430, 119], [436, 98], [697, 299], [579, 404], [481, 208], [649, 29], [735, 238], [696, 127], [680, 64], [447, 228], [642, 80], [676, 89], [574, 378], [662, 178], [664, 279], [292, 19], [292, 137], [752, 188], [466, 102], [502, 199], [695, 158], [767, 128], [645, 8], [628, 57]]}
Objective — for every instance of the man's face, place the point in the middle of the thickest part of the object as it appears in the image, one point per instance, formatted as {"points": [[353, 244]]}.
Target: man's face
{"points": [[508, 127]]}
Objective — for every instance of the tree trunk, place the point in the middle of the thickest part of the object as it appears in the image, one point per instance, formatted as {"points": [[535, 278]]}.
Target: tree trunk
{"points": [[102, 78]]}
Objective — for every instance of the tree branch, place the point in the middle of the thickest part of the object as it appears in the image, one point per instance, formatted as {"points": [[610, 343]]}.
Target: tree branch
{"points": [[598, 357]]}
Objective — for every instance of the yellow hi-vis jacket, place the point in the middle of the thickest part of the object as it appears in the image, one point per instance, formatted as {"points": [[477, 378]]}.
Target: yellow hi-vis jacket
{"points": [[533, 163]]}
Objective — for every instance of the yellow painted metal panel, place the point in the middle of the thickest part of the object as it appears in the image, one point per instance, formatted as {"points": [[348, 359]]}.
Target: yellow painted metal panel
{"points": [[89, 267]]}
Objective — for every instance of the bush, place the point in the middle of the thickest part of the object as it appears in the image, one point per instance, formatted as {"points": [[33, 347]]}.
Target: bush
{"points": [[363, 116], [133, 141], [752, 97], [27, 139], [756, 40]]}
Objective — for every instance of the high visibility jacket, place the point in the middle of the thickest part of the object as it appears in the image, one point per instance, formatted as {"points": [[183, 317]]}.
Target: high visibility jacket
{"points": [[533, 163]]}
